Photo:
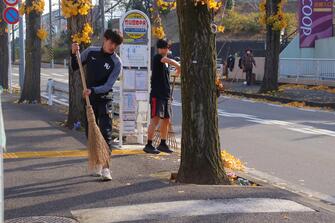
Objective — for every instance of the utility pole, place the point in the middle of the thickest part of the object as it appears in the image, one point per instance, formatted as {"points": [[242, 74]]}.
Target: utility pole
{"points": [[50, 35], [13, 44], [59, 17], [102, 11], [10, 71], [22, 58]]}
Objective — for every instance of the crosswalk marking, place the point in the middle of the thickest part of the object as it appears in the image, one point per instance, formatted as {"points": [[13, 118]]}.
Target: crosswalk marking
{"points": [[177, 209]]}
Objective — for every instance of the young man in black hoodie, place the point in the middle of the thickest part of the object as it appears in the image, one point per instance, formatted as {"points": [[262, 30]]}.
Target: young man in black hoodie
{"points": [[103, 68], [160, 97]]}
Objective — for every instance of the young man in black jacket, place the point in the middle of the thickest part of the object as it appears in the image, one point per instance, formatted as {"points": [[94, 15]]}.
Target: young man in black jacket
{"points": [[103, 68], [160, 98]]}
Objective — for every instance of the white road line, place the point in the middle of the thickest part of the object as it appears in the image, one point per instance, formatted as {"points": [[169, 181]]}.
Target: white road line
{"points": [[45, 75], [42, 74], [284, 124], [274, 105], [175, 209], [58, 75], [64, 100]]}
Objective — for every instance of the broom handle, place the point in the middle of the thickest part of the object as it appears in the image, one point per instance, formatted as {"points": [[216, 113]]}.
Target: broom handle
{"points": [[83, 80], [173, 83]]}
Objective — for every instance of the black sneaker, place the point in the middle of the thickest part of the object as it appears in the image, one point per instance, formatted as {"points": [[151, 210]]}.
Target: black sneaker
{"points": [[150, 149], [164, 148]]}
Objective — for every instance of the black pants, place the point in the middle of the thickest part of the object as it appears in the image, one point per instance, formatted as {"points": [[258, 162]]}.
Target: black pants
{"points": [[249, 76], [104, 120]]}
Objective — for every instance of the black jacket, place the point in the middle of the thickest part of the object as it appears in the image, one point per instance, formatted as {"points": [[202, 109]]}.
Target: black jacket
{"points": [[103, 69]]}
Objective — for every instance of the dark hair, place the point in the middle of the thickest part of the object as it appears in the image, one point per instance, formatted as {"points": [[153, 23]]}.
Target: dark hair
{"points": [[162, 44], [114, 36]]}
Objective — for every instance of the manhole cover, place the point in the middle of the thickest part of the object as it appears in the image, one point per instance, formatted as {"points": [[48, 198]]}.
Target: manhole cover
{"points": [[41, 219]]}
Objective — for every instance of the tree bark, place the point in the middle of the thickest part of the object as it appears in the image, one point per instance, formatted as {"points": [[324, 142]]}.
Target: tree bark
{"points": [[201, 161], [76, 104], [271, 69], [4, 59], [31, 92]]}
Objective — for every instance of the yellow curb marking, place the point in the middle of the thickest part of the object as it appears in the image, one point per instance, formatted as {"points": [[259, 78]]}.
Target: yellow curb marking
{"points": [[65, 153]]}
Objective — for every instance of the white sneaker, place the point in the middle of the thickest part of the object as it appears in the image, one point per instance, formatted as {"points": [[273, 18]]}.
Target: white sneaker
{"points": [[106, 174], [98, 171]]}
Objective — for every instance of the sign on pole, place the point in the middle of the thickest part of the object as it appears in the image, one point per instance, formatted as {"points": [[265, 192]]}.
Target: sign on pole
{"points": [[11, 2], [315, 21], [2, 148], [135, 81], [11, 15]]}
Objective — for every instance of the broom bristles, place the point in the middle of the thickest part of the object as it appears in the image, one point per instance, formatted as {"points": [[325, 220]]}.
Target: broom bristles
{"points": [[98, 150], [171, 138]]}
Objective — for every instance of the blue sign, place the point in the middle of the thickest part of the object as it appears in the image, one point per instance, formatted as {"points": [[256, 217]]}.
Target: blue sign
{"points": [[11, 15]]}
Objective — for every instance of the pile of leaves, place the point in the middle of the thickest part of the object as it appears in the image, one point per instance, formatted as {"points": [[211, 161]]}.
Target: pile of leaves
{"points": [[306, 87], [231, 162]]}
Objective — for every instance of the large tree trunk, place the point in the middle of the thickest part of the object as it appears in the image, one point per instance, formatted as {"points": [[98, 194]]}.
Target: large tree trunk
{"points": [[76, 104], [4, 59], [201, 161], [31, 91], [270, 79]]}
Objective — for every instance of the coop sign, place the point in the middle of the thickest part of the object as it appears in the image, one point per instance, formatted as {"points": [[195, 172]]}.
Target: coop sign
{"points": [[315, 21]]}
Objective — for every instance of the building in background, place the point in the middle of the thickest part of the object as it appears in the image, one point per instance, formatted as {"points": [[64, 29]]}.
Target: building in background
{"points": [[59, 23], [310, 57]]}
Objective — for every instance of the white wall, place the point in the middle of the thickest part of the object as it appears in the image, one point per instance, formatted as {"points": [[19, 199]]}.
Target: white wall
{"points": [[294, 51], [325, 48]]}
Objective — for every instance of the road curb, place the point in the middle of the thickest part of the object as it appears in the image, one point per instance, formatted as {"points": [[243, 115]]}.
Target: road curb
{"points": [[280, 99]]}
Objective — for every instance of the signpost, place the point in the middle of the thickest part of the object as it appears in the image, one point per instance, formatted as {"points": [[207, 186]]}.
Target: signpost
{"points": [[134, 85], [315, 21], [11, 2], [11, 15], [2, 148]]}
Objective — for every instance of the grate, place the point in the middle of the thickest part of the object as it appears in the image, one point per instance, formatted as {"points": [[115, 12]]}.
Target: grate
{"points": [[41, 219]]}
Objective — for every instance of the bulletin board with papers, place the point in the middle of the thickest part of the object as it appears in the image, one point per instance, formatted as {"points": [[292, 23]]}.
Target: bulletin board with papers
{"points": [[135, 80]]}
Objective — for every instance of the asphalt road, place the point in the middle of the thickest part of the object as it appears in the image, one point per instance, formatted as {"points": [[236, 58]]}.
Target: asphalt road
{"points": [[289, 146], [294, 145]]}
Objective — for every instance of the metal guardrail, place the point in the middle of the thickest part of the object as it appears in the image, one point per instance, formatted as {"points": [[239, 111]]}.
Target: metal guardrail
{"points": [[54, 86], [307, 69]]}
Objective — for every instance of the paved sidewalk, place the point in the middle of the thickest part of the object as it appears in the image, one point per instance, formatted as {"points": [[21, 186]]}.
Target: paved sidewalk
{"points": [[140, 191]]}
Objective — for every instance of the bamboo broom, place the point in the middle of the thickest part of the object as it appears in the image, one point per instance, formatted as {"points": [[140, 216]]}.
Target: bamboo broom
{"points": [[171, 138], [98, 150]]}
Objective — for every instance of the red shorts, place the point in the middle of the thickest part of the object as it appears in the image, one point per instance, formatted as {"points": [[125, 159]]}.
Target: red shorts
{"points": [[160, 108]]}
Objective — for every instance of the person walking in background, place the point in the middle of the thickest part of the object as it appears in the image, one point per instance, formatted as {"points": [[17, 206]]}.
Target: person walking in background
{"points": [[231, 62], [248, 62]]}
